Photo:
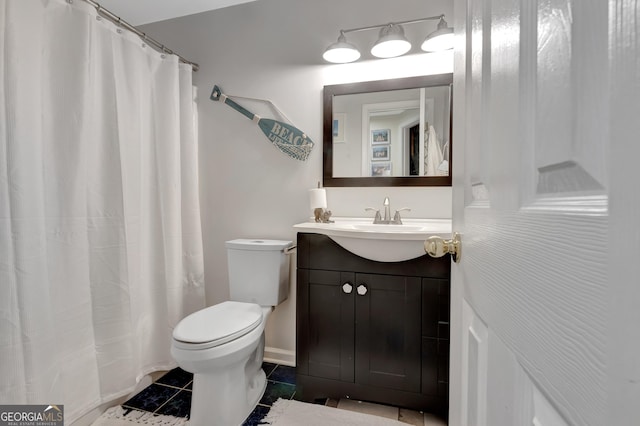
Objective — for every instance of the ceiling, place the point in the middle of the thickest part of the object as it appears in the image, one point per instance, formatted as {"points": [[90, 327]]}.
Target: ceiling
{"points": [[139, 12]]}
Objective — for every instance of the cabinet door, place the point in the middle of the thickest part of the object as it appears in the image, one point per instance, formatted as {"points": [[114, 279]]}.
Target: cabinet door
{"points": [[435, 336], [388, 323], [326, 324]]}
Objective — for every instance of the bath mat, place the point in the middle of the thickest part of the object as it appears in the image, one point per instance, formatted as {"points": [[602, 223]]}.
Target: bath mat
{"points": [[118, 416], [294, 413]]}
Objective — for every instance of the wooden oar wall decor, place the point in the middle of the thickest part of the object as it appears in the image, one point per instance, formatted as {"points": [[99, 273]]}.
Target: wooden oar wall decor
{"points": [[287, 138]]}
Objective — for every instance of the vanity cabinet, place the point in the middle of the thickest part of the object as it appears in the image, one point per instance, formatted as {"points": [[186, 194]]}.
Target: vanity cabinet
{"points": [[373, 331]]}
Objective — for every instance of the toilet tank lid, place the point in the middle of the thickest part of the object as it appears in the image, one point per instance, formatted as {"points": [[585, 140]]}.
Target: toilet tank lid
{"points": [[258, 244]]}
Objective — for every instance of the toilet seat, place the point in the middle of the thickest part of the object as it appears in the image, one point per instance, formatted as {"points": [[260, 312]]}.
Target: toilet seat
{"points": [[217, 325]]}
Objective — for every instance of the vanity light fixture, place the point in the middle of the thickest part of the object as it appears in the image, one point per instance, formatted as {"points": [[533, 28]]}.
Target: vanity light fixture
{"points": [[341, 52], [440, 39], [391, 41]]}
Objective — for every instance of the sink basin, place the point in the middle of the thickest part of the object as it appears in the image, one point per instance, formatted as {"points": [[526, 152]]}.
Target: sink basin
{"points": [[382, 243], [370, 227]]}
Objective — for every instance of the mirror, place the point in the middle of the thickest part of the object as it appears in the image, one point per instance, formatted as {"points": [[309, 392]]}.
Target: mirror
{"points": [[393, 132]]}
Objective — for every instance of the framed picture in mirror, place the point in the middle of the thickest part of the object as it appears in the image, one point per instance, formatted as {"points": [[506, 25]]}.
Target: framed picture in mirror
{"points": [[339, 121], [380, 152], [382, 168], [380, 136]]}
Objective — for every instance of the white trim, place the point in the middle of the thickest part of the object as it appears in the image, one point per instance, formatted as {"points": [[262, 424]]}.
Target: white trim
{"points": [[280, 356]]}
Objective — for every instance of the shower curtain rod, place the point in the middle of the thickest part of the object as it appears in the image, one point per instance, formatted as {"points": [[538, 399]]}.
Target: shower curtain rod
{"points": [[119, 21]]}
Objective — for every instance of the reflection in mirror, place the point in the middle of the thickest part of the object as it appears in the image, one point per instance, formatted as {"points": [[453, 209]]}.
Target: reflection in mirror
{"points": [[388, 133]]}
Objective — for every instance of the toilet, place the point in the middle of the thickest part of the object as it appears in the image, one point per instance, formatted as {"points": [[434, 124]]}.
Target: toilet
{"points": [[223, 345]]}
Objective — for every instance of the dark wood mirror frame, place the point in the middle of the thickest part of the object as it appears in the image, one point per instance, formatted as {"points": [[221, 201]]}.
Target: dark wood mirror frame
{"points": [[379, 86]]}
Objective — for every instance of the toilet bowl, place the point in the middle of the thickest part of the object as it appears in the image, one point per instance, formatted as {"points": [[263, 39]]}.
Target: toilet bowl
{"points": [[223, 345], [228, 379]]}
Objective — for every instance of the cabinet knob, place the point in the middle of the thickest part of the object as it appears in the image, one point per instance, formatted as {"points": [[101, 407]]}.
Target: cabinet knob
{"points": [[347, 288], [362, 289]]}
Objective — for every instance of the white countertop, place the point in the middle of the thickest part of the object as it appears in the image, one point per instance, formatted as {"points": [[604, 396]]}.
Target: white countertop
{"points": [[391, 243]]}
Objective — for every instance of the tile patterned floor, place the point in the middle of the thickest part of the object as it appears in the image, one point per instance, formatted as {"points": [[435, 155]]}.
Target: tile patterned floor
{"points": [[171, 395]]}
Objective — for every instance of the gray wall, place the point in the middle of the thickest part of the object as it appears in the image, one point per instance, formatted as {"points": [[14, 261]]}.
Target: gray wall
{"points": [[271, 49]]}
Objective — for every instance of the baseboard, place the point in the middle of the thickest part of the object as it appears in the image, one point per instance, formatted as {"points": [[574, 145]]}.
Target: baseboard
{"points": [[280, 356]]}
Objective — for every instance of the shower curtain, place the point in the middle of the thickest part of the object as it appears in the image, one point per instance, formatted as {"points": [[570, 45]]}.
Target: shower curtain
{"points": [[100, 242]]}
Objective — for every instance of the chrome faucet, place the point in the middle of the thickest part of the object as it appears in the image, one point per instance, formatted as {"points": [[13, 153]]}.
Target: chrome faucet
{"points": [[397, 220], [377, 219], [387, 212], [396, 217]]}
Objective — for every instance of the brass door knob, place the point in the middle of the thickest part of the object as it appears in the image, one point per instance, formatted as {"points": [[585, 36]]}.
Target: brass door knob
{"points": [[438, 247]]}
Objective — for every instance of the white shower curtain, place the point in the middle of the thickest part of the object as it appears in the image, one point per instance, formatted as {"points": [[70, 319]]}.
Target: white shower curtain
{"points": [[100, 242]]}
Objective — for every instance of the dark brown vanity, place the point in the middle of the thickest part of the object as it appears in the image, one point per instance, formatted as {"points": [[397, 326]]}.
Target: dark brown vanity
{"points": [[372, 331]]}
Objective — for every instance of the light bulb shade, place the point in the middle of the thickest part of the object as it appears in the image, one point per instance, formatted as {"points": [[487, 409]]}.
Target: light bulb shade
{"points": [[341, 52], [391, 42], [439, 40]]}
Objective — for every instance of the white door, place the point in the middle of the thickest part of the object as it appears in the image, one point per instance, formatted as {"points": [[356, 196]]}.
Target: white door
{"points": [[546, 298]]}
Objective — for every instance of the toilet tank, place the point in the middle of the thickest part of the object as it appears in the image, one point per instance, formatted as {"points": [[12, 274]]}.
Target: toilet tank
{"points": [[258, 271]]}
